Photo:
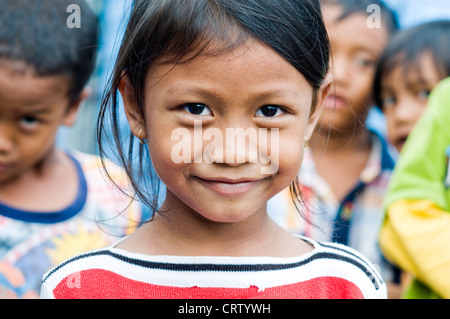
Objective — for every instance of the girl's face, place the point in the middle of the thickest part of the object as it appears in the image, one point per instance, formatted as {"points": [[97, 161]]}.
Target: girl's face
{"points": [[355, 49], [405, 96], [197, 111]]}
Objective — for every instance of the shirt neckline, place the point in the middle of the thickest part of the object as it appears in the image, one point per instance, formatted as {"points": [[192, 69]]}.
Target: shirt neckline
{"points": [[219, 259], [52, 217]]}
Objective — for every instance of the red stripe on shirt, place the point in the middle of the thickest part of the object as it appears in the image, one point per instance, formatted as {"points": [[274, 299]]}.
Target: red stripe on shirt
{"points": [[102, 284]]}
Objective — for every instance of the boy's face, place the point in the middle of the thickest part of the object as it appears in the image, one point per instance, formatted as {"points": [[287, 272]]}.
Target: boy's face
{"points": [[31, 110], [355, 49], [405, 95]]}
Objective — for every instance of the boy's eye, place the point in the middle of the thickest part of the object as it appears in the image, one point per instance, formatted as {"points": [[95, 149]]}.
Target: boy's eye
{"points": [[29, 122], [269, 111], [197, 109]]}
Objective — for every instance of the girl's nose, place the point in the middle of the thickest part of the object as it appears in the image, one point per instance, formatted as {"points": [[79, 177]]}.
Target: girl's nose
{"points": [[237, 146], [408, 110], [340, 69]]}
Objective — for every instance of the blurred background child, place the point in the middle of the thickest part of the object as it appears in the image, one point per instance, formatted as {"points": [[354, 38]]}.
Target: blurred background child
{"points": [[414, 62], [347, 167], [415, 235], [50, 199], [417, 228]]}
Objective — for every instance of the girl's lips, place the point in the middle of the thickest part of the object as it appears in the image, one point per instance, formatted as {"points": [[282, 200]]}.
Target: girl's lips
{"points": [[335, 102], [3, 167], [228, 187]]}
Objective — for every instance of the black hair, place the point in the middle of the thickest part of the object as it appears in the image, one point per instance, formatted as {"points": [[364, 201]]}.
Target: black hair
{"points": [[36, 33], [350, 7], [407, 47], [180, 30]]}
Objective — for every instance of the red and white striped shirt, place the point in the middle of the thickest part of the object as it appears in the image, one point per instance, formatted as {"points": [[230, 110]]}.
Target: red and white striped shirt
{"points": [[330, 271]]}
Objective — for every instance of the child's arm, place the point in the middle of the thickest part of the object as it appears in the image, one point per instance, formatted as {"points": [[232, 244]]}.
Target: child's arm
{"points": [[416, 233], [416, 236]]}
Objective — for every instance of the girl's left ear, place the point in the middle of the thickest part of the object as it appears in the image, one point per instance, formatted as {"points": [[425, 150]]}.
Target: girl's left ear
{"points": [[71, 116], [322, 94], [132, 111]]}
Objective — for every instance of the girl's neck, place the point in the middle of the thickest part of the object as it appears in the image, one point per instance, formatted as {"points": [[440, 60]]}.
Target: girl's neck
{"points": [[180, 232], [349, 153], [187, 232]]}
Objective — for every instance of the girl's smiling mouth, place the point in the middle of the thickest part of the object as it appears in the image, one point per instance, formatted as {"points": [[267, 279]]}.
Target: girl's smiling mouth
{"points": [[230, 187]]}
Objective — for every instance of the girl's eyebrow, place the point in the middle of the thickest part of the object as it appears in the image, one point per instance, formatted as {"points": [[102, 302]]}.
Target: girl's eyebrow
{"points": [[364, 49], [211, 92], [417, 81], [386, 88], [189, 88]]}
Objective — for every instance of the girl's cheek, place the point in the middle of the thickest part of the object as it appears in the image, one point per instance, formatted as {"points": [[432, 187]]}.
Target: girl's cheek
{"points": [[291, 153]]}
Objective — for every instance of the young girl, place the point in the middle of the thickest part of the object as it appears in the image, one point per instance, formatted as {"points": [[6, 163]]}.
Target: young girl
{"points": [[192, 74]]}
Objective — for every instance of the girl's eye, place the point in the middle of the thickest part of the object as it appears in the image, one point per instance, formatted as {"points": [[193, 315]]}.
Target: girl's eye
{"points": [[388, 101], [423, 94], [197, 109], [364, 62], [269, 111], [29, 122]]}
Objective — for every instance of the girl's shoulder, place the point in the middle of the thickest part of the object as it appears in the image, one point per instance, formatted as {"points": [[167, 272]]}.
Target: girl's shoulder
{"points": [[329, 271], [334, 254], [339, 252], [344, 265]]}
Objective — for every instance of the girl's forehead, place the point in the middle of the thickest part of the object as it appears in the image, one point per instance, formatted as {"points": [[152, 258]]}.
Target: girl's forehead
{"points": [[352, 33], [420, 65], [205, 46], [230, 55], [247, 59], [418, 69]]}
